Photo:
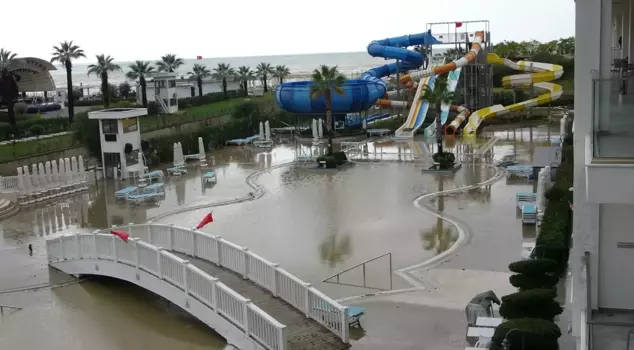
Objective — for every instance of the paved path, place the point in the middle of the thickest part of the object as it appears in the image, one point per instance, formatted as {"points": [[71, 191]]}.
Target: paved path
{"points": [[303, 333]]}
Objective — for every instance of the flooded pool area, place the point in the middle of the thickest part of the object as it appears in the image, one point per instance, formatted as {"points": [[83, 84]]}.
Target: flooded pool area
{"points": [[314, 222]]}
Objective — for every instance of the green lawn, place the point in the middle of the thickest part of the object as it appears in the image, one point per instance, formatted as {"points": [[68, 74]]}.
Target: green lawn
{"points": [[11, 151], [187, 115]]}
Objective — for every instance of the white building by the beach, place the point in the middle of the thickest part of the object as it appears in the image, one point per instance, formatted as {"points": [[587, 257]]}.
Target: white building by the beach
{"points": [[184, 88], [118, 127], [601, 263], [164, 86]]}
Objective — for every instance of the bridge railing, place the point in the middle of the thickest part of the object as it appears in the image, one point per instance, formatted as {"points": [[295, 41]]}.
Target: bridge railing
{"points": [[194, 282], [251, 266]]}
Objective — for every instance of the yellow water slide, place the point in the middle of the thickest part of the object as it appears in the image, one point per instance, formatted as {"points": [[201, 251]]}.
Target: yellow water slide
{"points": [[540, 76]]}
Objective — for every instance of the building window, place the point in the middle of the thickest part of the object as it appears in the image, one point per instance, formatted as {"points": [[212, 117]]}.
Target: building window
{"points": [[110, 137], [173, 102], [172, 83], [166, 102], [109, 126], [159, 83]]}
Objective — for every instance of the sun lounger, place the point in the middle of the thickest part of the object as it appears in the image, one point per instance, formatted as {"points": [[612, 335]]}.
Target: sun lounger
{"points": [[124, 193], [152, 175], [210, 176], [158, 187], [179, 170], [354, 314], [139, 198], [528, 197], [489, 321], [529, 213]]}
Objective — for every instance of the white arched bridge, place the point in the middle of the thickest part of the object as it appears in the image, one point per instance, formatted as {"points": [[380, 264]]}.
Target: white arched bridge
{"points": [[251, 302]]}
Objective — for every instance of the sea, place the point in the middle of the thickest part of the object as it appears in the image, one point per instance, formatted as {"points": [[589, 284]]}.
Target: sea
{"points": [[351, 64]]}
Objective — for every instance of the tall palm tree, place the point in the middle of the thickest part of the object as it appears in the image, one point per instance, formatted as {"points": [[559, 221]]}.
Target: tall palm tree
{"points": [[101, 69], [169, 63], [9, 85], [325, 82], [222, 72], [436, 96], [65, 53], [281, 72], [244, 74], [262, 71], [138, 70], [199, 72]]}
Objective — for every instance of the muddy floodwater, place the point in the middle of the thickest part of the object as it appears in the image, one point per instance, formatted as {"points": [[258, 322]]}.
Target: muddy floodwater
{"points": [[314, 223]]}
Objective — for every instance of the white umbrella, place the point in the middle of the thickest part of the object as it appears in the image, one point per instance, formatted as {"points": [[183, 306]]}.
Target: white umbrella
{"points": [[201, 149], [20, 180], [181, 157], [175, 155], [261, 131], [267, 131], [67, 170], [141, 164], [320, 128], [34, 177], [42, 173], [82, 170], [54, 171], [27, 179], [315, 132], [74, 171], [47, 167]]}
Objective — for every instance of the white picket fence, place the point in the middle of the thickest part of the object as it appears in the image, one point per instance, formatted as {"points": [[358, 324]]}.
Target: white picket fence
{"points": [[215, 249]]}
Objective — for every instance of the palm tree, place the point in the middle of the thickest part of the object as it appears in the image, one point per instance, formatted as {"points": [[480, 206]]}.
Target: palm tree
{"points": [[436, 96], [65, 53], [281, 72], [222, 72], [262, 71], [325, 82], [245, 74], [199, 72], [169, 63], [101, 69], [333, 250], [138, 70], [9, 85]]}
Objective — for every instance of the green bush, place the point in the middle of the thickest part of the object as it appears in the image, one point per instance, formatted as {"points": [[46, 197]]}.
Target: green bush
{"points": [[535, 303], [527, 334], [445, 160], [524, 282], [534, 267], [331, 161], [49, 126], [340, 157], [36, 130]]}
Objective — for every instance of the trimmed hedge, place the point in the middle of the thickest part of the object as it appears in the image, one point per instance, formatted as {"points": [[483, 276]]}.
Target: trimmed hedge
{"points": [[524, 282], [534, 267], [527, 334], [445, 160], [331, 162], [49, 126], [536, 303], [340, 157]]}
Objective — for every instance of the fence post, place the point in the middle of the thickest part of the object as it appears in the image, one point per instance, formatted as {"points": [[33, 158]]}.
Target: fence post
{"points": [[345, 328], [246, 316], [114, 248], [282, 337], [149, 233], [214, 305], [158, 262], [135, 241], [185, 264], [171, 238], [274, 286], [77, 245], [194, 240], [130, 228], [94, 243], [245, 272], [307, 299], [61, 242], [219, 248]]}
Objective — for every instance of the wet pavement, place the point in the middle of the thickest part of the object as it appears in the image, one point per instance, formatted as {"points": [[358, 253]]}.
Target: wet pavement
{"points": [[314, 223]]}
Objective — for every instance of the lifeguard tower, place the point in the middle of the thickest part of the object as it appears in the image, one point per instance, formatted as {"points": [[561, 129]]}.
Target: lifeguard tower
{"points": [[165, 92], [118, 127]]}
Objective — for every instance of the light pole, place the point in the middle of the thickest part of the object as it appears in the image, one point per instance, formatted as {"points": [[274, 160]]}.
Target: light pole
{"points": [[506, 344]]}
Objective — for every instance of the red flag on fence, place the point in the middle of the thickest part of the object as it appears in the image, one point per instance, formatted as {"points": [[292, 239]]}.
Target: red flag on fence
{"points": [[199, 57], [121, 234], [458, 24], [207, 219]]}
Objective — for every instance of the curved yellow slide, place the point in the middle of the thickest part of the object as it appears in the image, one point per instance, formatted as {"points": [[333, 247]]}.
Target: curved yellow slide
{"points": [[540, 76]]}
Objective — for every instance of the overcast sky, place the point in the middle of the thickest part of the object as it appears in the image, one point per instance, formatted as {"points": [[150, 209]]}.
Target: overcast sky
{"points": [[136, 29]]}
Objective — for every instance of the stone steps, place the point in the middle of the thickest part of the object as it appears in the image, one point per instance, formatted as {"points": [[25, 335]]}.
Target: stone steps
{"points": [[8, 209]]}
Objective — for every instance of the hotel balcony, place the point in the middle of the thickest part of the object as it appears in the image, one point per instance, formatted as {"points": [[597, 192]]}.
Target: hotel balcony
{"points": [[609, 155]]}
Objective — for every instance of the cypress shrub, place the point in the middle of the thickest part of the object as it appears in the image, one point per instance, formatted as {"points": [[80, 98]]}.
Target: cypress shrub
{"points": [[534, 267], [536, 303], [527, 334]]}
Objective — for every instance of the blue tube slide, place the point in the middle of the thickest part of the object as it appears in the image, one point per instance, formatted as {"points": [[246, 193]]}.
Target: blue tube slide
{"points": [[359, 94]]}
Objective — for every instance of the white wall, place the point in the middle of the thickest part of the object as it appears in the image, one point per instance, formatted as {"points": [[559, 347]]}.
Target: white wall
{"points": [[616, 277], [185, 91]]}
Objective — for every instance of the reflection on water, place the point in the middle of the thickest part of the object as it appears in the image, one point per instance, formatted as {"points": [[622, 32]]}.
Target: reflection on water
{"points": [[333, 250]]}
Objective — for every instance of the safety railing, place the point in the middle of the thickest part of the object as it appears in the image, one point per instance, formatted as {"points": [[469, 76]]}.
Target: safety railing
{"points": [[362, 265], [194, 282], [8, 183], [250, 266]]}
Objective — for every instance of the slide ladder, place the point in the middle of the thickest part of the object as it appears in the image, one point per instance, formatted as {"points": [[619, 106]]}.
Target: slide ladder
{"points": [[540, 77], [419, 108]]}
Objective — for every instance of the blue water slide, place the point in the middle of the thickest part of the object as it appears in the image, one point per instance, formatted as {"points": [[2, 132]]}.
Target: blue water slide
{"points": [[359, 94]]}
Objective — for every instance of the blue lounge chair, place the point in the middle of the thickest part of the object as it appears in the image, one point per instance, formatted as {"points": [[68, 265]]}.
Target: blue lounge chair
{"points": [[139, 198], [178, 170], [210, 176], [124, 193], [158, 187], [153, 175], [354, 314]]}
